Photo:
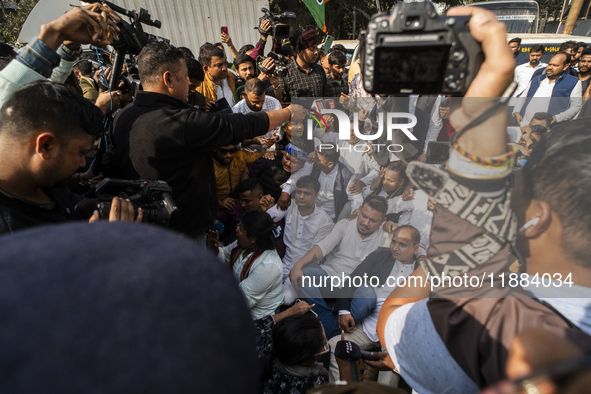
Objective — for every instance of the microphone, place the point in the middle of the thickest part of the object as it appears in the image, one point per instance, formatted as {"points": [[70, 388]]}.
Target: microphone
{"points": [[351, 352]]}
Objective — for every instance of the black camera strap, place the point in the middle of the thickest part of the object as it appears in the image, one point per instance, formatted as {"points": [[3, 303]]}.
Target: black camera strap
{"points": [[500, 102]]}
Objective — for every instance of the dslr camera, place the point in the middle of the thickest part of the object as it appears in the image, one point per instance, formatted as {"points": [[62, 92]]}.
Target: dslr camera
{"points": [[279, 31], [415, 51], [281, 63], [152, 196]]}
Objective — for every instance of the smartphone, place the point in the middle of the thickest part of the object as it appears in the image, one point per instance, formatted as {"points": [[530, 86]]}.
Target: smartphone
{"points": [[328, 43], [225, 30]]}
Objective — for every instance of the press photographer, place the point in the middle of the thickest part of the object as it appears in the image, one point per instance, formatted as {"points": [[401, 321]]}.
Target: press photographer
{"points": [[40, 152]]}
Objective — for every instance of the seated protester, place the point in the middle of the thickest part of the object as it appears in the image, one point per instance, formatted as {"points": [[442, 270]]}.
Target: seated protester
{"points": [[354, 152], [254, 99], [229, 163], [196, 77], [298, 342], [40, 152], [462, 335], [386, 264], [336, 180], [392, 182], [264, 325], [299, 151], [349, 243], [335, 83], [218, 82], [254, 261], [272, 173], [251, 198], [414, 212], [305, 226]]}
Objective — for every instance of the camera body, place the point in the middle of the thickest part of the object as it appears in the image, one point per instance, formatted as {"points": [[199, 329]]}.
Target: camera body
{"points": [[415, 51], [152, 196], [278, 30], [281, 63]]}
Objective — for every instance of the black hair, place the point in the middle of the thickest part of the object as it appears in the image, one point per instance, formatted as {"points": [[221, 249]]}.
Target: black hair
{"points": [[399, 168], [581, 44], [195, 69], [538, 129], [568, 45], [259, 225], [338, 58], [567, 55], [516, 39], [85, 68], [255, 86], [287, 50], [219, 44], [243, 58], [532, 145], [538, 48], [156, 58], [378, 203], [250, 184], [56, 108], [207, 51], [245, 48], [337, 47], [187, 53], [586, 51], [415, 236], [308, 181], [559, 173], [72, 83], [330, 152], [297, 339], [543, 116], [7, 53]]}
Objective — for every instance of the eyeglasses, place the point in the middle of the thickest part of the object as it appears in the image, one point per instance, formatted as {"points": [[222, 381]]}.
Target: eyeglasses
{"points": [[224, 152], [325, 350]]}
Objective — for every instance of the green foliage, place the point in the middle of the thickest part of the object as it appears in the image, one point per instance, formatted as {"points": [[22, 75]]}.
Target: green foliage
{"points": [[339, 14], [15, 21]]}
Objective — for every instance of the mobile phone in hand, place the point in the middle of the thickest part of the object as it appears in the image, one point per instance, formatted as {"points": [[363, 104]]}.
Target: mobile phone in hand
{"points": [[225, 30]]}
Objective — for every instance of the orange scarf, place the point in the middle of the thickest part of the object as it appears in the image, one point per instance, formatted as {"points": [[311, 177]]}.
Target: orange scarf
{"points": [[207, 88]]}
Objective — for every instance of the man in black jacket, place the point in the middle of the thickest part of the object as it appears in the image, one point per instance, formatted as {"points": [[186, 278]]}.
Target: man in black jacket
{"points": [[161, 137]]}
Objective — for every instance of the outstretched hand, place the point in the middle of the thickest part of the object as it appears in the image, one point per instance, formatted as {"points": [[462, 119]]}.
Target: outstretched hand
{"points": [[91, 24]]}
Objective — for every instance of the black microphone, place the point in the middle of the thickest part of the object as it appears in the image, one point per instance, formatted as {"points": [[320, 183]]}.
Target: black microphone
{"points": [[351, 352]]}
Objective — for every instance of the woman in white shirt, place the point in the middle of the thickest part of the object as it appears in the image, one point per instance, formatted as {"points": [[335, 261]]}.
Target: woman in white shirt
{"points": [[255, 262]]}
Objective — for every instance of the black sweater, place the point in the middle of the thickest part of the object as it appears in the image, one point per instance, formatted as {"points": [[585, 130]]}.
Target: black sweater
{"points": [[162, 138]]}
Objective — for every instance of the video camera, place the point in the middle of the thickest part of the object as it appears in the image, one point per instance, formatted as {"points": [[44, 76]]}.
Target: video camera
{"points": [[152, 196], [415, 51], [279, 31], [281, 63]]}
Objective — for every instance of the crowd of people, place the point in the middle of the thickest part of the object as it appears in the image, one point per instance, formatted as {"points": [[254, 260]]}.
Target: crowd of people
{"points": [[293, 216]]}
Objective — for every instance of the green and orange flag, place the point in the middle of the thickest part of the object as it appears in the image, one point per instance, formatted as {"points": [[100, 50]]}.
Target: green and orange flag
{"points": [[316, 8]]}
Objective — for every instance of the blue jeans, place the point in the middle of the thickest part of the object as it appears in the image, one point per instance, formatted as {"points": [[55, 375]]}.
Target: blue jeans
{"points": [[362, 303]]}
